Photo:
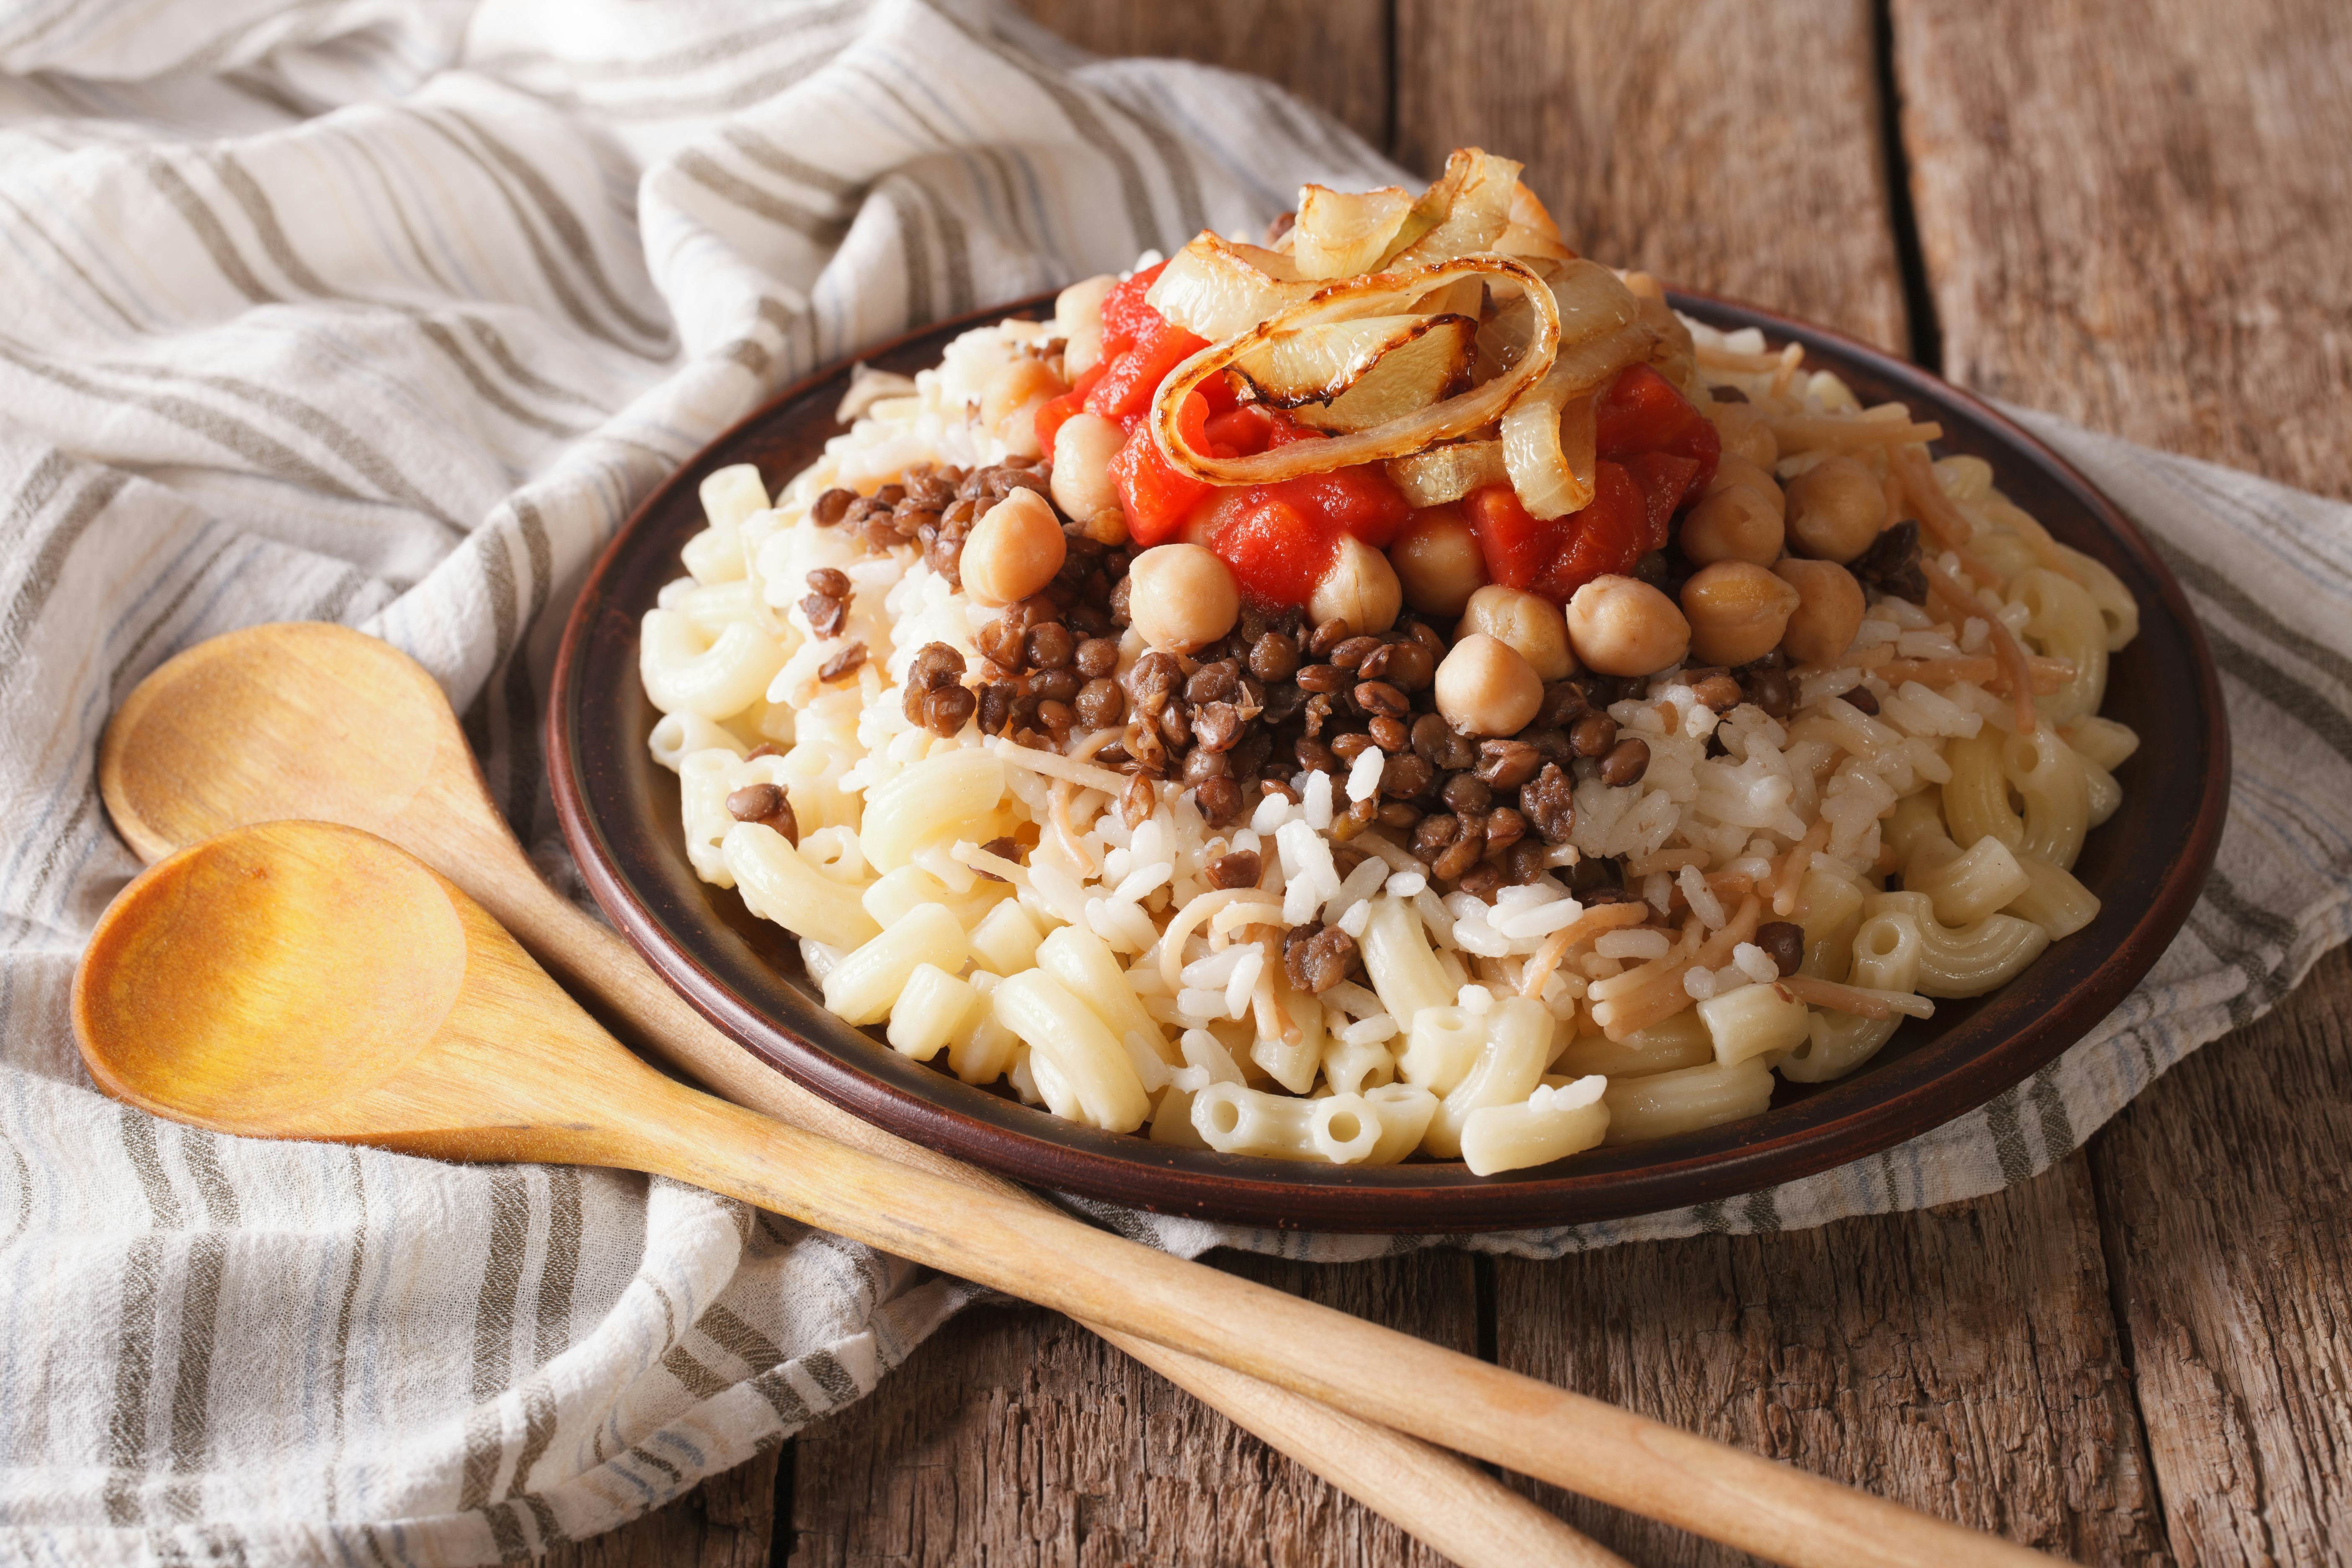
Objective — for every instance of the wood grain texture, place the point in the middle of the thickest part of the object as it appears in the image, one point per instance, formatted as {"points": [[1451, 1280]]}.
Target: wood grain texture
{"points": [[727, 1522], [1013, 1438], [1727, 146], [1332, 53], [2155, 240], [2136, 215], [2229, 1208], [1961, 1359]]}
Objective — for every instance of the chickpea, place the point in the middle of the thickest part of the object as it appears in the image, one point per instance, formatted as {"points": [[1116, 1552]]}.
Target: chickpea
{"points": [[1835, 510], [1485, 687], [1731, 469], [1083, 450], [1828, 613], [1743, 430], [1737, 611], [1362, 589], [1077, 314], [1180, 598], [1734, 523], [1009, 404], [1013, 550], [1438, 561], [1620, 626], [1529, 626]]}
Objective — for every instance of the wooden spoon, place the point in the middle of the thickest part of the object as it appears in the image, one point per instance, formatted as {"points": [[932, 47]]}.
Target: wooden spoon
{"points": [[301, 979], [315, 720]]}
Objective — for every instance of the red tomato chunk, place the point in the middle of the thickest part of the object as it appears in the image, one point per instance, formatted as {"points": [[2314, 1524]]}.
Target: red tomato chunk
{"points": [[1656, 454]]}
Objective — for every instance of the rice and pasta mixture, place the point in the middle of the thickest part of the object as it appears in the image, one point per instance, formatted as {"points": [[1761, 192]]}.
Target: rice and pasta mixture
{"points": [[1395, 690]]}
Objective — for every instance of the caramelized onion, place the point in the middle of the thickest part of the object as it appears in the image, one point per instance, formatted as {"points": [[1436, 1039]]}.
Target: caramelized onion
{"points": [[1353, 300], [1448, 471], [1341, 233], [1547, 436], [1214, 289]]}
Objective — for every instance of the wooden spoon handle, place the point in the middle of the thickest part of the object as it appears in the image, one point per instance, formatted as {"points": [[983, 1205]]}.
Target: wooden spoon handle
{"points": [[1375, 1374], [1455, 1508]]}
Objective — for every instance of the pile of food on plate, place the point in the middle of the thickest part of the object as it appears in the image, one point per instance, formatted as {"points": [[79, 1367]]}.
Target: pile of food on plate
{"points": [[1399, 690]]}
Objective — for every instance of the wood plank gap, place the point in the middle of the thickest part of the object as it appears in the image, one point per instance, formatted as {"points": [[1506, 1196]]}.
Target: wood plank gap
{"points": [[2111, 1250], [1924, 330], [782, 1539]]}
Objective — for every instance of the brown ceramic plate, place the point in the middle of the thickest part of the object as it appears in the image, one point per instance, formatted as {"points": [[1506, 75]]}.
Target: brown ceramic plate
{"points": [[620, 814]]}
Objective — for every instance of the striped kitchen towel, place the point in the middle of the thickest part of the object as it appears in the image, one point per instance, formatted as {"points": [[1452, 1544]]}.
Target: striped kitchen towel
{"points": [[386, 311]]}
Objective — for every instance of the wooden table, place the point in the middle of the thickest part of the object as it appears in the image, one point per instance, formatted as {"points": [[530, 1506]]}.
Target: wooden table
{"points": [[2139, 215]]}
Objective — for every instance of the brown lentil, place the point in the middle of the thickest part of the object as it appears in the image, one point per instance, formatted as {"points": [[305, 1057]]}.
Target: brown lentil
{"points": [[1217, 726], [1405, 776], [1508, 764], [1050, 646], [826, 510], [1783, 943], [1467, 793], [1218, 800], [1770, 689], [1717, 692], [1862, 697], [1238, 869], [1316, 957], [947, 708], [1101, 703], [765, 803], [1389, 734], [1273, 657], [1380, 696], [845, 663], [1627, 760], [1564, 702], [826, 616], [1592, 735], [1098, 657]]}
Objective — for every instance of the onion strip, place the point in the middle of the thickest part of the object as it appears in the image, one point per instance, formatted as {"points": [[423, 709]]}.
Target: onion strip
{"points": [[1380, 294]]}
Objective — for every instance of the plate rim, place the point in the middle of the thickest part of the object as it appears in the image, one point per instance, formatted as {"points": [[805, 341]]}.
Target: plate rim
{"points": [[1266, 1192]]}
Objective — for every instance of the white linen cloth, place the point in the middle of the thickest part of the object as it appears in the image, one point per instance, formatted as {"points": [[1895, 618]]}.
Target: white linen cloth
{"points": [[387, 311]]}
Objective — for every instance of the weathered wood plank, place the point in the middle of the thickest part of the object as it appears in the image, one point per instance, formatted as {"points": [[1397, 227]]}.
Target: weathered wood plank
{"points": [[1960, 1360], [1016, 1437], [2229, 1207], [2137, 214], [2157, 240], [1964, 1361], [728, 1521], [1731, 147], [1332, 53]]}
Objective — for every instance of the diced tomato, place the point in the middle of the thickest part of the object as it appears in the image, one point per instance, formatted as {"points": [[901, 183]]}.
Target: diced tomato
{"points": [[1641, 412], [1253, 427], [1125, 313], [1608, 536], [1051, 417], [1154, 496], [1665, 480], [1361, 501], [1278, 553], [1556, 557], [1128, 384]]}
